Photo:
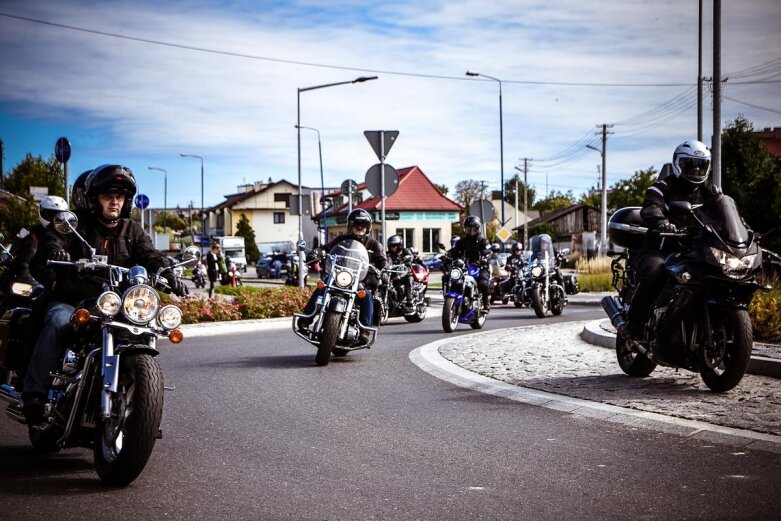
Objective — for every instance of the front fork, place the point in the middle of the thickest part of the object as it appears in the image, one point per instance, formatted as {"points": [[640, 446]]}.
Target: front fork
{"points": [[110, 373]]}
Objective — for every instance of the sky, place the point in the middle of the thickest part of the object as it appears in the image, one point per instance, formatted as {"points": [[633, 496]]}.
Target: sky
{"points": [[141, 82]]}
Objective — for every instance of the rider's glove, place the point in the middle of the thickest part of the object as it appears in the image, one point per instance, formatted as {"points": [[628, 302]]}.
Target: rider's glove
{"points": [[666, 228], [60, 256], [177, 286]]}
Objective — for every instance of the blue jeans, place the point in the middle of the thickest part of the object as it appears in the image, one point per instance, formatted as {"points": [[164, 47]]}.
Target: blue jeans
{"points": [[48, 349], [277, 268], [365, 307]]}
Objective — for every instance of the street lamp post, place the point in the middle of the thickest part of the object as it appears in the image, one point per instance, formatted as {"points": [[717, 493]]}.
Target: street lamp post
{"points": [[501, 135], [301, 258], [165, 195], [603, 209], [203, 217], [322, 183]]}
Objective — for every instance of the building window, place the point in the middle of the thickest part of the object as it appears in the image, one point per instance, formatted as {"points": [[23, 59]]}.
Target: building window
{"points": [[279, 217], [430, 239], [282, 198], [406, 235]]}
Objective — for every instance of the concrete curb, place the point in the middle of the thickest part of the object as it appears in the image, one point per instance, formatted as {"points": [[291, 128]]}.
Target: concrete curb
{"points": [[428, 359], [595, 333]]}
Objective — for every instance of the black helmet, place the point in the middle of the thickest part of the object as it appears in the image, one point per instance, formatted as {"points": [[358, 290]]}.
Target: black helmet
{"points": [[107, 179], [394, 240], [495, 247], [517, 248], [78, 195], [359, 218], [472, 226]]}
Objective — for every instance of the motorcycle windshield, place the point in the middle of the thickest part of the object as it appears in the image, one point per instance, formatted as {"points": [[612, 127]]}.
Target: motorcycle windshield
{"points": [[723, 217], [348, 254], [541, 247]]}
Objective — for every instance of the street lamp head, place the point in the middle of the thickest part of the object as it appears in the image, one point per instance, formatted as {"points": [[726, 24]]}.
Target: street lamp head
{"points": [[593, 148], [470, 73], [364, 78]]}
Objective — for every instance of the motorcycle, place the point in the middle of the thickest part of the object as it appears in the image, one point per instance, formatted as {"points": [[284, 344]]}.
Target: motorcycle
{"points": [[463, 301], [700, 321], [392, 298], [199, 275], [502, 278], [335, 328], [542, 287], [107, 394], [233, 276]]}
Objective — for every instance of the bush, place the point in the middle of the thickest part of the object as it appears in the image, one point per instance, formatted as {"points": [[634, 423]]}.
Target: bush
{"points": [[765, 310], [243, 303]]}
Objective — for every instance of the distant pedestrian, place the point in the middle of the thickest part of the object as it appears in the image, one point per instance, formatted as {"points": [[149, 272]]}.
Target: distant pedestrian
{"points": [[213, 266], [279, 258]]}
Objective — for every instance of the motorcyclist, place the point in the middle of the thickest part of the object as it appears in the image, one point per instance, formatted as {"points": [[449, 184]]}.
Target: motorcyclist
{"points": [[395, 249], [106, 226], [515, 260], [26, 242], [689, 182], [359, 223], [474, 249]]}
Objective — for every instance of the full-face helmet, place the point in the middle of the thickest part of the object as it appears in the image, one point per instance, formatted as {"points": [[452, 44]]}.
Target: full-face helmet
{"points": [[495, 247], [50, 206], [78, 195], [691, 161], [394, 243], [359, 220], [516, 248], [472, 226]]}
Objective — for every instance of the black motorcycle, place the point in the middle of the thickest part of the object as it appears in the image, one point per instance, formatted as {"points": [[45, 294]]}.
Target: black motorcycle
{"points": [[700, 320], [391, 295], [107, 394], [542, 286]]}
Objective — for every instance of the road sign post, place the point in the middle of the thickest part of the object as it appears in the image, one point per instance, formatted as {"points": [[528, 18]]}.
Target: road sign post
{"points": [[62, 151], [381, 142]]}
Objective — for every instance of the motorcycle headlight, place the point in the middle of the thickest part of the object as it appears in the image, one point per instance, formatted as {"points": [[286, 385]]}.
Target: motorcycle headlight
{"points": [[23, 289], [455, 274], [170, 317], [109, 303], [140, 304], [344, 279], [733, 267], [537, 271]]}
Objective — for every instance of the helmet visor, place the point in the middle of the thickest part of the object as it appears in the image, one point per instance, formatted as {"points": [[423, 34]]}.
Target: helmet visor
{"points": [[694, 168], [472, 229]]}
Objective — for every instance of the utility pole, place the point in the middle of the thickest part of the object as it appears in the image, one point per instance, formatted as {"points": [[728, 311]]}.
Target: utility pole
{"points": [[699, 80], [2, 178], [526, 198], [603, 211], [716, 143]]}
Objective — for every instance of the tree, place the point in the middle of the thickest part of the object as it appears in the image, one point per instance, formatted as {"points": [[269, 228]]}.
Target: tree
{"points": [[443, 189], [751, 175], [22, 211], [555, 201], [243, 229], [509, 192], [631, 192], [172, 221], [469, 191]]}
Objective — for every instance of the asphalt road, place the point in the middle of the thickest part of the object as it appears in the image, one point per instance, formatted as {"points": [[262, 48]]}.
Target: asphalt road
{"points": [[254, 430]]}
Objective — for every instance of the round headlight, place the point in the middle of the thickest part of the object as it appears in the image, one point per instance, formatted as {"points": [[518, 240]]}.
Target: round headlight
{"points": [[140, 304], [344, 279], [537, 271], [109, 303], [23, 289], [455, 274], [170, 317]]}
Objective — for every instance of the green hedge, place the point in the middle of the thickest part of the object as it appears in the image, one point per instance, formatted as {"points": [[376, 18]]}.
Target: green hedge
{"points": [[765, 310]]}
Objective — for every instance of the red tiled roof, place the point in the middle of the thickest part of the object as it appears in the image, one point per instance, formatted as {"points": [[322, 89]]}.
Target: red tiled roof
{"points": [[415, 192]]}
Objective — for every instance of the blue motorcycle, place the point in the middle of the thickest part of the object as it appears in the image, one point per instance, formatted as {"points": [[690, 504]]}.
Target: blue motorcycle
{"points": [[463, 302]]}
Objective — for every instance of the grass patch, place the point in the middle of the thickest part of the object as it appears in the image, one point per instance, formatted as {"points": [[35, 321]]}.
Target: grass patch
{"points": [[595, 282]]}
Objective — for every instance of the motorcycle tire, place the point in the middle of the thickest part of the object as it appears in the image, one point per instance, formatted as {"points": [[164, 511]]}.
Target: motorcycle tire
{"points": [[632, 363], [479, 321], [450, 314], [418, 316], [125, 441], [505, 300], [384, 312], [733, 339], [329, 334], [538, 302]]}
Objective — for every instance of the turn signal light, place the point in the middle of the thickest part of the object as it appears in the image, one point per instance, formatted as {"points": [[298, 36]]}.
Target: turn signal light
{"points": [[320, 284], [176, 336], [361, 293], [80, 317]]}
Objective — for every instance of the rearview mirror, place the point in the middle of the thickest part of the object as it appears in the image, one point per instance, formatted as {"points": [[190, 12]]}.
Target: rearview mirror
{"points": [[65, 222], [680, 208], [191, 255]]}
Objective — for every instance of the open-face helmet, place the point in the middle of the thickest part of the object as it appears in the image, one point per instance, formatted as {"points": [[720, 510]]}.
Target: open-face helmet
{"points": [[108, 179]]}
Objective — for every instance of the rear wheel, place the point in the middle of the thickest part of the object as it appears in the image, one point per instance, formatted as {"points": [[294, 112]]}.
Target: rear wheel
{"points": [[450, 314], [726, 361], [539, 304], [632, 362], [126, 439], [479, 321], [329, 334]]}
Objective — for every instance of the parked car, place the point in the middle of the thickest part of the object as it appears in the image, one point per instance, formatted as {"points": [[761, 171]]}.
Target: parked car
{"points": [[264, 268]]}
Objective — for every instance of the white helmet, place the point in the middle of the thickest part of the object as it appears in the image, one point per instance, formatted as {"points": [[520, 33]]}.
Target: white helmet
{"points": [[691, 160], [50, 206]]}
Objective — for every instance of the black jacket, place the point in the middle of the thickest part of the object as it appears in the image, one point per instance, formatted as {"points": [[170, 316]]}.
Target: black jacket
{"points": [[665, 191], [126, 245], [471, 249], [376, 254]]}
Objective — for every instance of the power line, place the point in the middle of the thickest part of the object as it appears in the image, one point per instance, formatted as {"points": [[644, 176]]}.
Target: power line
{"points": [[750, 104], [339, 67]]}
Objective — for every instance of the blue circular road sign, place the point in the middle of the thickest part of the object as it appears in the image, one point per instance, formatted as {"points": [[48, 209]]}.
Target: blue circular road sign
{"points": [[62, 150], [142, 201]]}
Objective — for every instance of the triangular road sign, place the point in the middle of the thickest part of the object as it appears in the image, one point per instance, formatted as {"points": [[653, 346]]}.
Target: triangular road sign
{"points": [[376, 136]]}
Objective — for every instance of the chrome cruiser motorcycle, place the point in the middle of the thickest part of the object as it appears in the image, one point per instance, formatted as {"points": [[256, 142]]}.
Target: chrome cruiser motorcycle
{"points": [[335, 328], [391, 293], [108, 393], [700, 320], [542, 286], [463, 301]]}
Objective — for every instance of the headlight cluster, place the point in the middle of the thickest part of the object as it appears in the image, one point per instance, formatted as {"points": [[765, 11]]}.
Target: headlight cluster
{"points": [[140, 304], [344, 279], [170, 317], [537, 271], [455, 274], [733, 267], [23, 289]]}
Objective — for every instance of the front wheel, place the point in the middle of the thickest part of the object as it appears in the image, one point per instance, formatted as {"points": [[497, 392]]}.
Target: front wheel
{"points": [[450, 314], [632, 362], [384, 311], [538, 302], [329, 334], [126, 439], [419, 315], [726, 361]]}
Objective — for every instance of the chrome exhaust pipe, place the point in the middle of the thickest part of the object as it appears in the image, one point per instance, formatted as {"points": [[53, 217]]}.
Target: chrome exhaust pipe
{"points": [[613, 310]]}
